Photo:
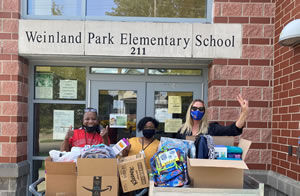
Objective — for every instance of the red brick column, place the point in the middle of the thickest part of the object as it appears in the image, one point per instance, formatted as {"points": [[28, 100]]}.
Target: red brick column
{"points": [[13, 87], [14, 168], [251, 76], [286, 95]]}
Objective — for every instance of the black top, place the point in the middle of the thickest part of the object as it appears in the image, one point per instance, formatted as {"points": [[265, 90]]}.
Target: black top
{"points": [[215, 129]]}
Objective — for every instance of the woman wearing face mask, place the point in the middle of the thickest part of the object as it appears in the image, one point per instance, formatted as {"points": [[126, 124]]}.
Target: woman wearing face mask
{"points": [[197, 123], [146, 144], [88, 134]]}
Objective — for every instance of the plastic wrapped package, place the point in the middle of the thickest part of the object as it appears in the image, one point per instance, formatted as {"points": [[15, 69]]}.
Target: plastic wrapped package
{"points": [[185, 145], [97, 151], [58, 156]]}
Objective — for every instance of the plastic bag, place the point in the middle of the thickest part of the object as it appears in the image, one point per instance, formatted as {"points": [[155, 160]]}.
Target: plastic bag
{"points": [[185, 145], [58, 156]]}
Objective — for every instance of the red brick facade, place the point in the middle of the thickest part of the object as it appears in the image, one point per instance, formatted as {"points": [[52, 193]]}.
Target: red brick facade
{"points": [[286, 95], [13, 87], [251, 76]]}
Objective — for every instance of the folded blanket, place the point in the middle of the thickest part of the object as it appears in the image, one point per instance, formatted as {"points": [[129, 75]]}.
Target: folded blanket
{"points": [[235, 156], [234, 150]]}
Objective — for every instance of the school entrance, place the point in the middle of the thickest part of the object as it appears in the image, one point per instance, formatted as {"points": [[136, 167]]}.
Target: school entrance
{"points": [[161, 93], [121, 92]]}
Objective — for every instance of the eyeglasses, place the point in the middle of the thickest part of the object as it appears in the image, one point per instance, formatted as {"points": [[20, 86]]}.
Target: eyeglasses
{"points": [[201, 109], [90, 110]]}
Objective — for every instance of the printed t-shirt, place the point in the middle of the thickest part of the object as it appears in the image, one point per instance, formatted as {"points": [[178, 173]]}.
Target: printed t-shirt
{"points": [[82, 138]]}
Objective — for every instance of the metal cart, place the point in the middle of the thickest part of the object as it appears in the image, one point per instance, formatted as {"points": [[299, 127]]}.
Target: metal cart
{"points": [[33, 187], [251, 188]]}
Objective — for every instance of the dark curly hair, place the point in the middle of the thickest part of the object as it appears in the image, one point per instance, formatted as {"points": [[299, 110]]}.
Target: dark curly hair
{"points": [[143, 122]]}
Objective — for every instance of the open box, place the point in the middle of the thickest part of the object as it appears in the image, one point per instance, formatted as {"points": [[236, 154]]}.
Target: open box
{"points": [[208, 173], [60, 178], [133, 172], [90, 177]]}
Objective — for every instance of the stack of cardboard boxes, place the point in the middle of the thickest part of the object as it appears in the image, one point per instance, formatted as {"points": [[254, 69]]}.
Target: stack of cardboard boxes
{"points": [[95, 177], [101, 176]]}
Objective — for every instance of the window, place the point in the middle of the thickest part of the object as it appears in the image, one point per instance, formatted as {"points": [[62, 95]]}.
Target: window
{"points": [[48, 131], [121, 71], [54, 7], [59, 99], [147, 8], [175, 72], [124, 10], [55, 88], [60, 83]]}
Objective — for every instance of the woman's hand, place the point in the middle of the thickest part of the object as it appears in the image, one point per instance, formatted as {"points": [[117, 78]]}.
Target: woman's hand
{"points": [[104, 135], [126, 150], [243, 116], [104, 132], [65, 146], [69, 134], [243, 103]]}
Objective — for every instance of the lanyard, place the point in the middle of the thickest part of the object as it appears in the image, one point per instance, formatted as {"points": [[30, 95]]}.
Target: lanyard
{"points": [[86, 143], [147, 145]]}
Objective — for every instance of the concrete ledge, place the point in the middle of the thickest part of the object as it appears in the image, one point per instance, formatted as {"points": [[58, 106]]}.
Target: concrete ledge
{"points": [[14, 170], [277, 181]]}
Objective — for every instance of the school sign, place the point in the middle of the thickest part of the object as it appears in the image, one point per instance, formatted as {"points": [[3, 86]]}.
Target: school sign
{"points": [[144, 39]]}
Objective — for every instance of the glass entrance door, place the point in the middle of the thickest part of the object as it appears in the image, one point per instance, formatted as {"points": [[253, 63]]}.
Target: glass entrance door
{"points": [[122, 104], [168, 103]]}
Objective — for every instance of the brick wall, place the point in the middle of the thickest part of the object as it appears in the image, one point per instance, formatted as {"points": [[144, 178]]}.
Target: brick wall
{"points": [[251, 76], [286, 105], [13, 87]]}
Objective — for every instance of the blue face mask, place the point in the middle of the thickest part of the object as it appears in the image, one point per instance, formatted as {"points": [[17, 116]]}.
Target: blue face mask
{"points": [[197, 115]]}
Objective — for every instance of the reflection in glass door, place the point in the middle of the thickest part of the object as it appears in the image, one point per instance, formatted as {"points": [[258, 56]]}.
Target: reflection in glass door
{"points": [[118, 111], [120, 106]]}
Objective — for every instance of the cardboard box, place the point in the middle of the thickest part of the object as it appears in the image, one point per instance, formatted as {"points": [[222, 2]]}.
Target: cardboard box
{"points": [[97, 177], [207, 173], [133, 173], [60, 178]]}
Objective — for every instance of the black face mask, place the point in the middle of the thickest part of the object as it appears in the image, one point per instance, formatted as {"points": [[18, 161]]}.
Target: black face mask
{"points": [[148, 133], [95, 128]]}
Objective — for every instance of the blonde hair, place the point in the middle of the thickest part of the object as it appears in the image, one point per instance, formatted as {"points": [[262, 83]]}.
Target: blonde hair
{"points": [[188, 125]]}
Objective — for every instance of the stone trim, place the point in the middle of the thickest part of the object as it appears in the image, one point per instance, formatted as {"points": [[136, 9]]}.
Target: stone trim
{"points": [[14, 170], [277, 181]]}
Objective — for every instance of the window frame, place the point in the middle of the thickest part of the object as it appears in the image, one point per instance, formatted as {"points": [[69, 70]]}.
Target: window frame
{"points": [[208, 19], [32, 101]]}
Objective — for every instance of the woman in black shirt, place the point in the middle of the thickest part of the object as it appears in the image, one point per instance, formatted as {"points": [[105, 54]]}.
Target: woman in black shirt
{"points": [[197, 123]]}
